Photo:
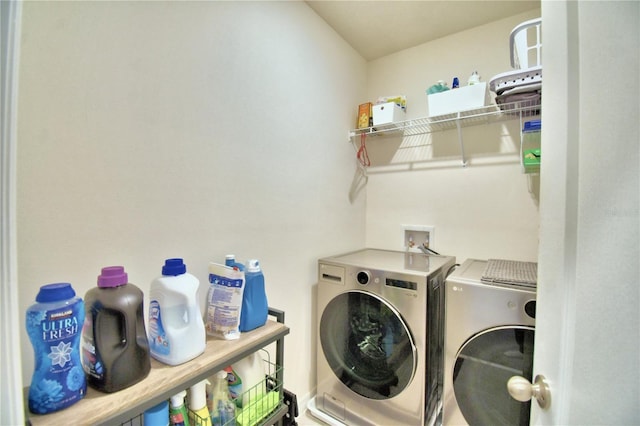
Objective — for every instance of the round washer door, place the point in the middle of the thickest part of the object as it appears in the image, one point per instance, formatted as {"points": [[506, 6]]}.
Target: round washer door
{"points": [[483, 366], [368, 345]]}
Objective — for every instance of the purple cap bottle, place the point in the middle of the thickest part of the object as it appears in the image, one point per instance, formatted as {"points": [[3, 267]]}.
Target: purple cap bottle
{"points": [[115, 345]]}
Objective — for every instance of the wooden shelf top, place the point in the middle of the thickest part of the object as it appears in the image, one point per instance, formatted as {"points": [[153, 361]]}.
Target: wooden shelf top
{"points": [[162, 382]]}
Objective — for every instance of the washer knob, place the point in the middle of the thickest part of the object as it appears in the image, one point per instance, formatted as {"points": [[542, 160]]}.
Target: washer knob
{"points": [[363, 277]]}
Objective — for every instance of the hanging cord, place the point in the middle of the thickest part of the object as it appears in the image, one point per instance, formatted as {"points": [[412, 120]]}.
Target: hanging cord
{"points": [[363, 156], [432, 251]]}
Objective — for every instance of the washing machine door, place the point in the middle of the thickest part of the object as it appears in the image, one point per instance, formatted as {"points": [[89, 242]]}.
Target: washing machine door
{"points": [[483, 366], [368, 345]]}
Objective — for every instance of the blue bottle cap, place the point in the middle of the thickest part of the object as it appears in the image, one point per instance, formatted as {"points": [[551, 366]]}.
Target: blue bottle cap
{"points": [[55, 292], [173, 267]]}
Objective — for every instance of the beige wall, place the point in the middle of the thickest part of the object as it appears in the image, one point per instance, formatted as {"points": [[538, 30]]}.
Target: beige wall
{"points": [[150, 130], [488, 209]]}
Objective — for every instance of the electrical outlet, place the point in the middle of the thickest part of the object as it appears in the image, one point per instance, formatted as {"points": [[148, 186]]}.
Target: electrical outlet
{"points": [[417, 235]]}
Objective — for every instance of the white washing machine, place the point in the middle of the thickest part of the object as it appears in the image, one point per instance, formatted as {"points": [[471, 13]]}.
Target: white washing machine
{"points": [[380, 337], [489, 337]]}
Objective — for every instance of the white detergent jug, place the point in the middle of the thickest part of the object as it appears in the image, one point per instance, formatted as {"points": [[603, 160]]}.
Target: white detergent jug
{"points": [[250, 373], [176, 328]]}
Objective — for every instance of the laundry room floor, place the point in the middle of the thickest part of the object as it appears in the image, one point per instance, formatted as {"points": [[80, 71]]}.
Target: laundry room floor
{"points": [[307, 419]]}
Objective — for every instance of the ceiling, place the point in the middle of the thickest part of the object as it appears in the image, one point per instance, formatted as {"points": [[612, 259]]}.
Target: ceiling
{"points": [[409, 23]]}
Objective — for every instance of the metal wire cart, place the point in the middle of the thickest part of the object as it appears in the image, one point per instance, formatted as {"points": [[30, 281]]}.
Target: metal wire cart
{"points": [[126, 406]]}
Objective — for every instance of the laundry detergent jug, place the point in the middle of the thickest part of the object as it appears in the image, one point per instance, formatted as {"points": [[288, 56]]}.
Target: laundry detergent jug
{"points": [[176, 328], [115, 348]]}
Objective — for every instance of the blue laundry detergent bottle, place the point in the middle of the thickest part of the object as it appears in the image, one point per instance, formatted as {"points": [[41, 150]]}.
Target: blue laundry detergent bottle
{"points": [[54, 325], [255, 308]]}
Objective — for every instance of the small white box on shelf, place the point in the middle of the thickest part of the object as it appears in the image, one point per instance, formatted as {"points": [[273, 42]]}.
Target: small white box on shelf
{"points": [[387, 113], [461, 99]]}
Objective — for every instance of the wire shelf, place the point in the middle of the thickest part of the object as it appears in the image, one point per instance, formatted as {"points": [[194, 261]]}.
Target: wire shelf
{"points": [[262, 402], [472, 117]]}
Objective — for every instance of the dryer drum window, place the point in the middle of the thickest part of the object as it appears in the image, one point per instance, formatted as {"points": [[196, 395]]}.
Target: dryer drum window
{"points": [[368, 345], [483, 366]]}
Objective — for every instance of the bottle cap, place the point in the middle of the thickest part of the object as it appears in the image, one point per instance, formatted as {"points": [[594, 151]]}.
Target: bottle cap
{"points": [[55, 292], [173, 267], [177, 400], [253, 265], [112, 276]]}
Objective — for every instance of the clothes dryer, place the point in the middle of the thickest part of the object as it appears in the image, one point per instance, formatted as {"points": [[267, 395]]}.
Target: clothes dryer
{"points": [[489, 336], [380, 337]]}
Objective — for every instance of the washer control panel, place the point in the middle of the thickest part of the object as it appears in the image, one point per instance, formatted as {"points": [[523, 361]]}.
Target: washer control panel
{"points": [[407, 285], [364, 277]]}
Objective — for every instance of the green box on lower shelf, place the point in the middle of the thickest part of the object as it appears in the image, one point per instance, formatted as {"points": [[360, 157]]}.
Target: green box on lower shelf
{"points": [[531, 160]]}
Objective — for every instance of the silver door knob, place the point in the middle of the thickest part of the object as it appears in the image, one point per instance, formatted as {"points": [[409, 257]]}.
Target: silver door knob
{"points": [[522, 390]]}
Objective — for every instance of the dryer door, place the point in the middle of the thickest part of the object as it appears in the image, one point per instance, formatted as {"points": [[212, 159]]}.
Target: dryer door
{"points": [[483, 366], [368, 345]]}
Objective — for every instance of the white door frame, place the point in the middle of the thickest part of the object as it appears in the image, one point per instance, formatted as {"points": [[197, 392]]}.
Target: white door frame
{"points": [[558, 206], [11, 402]]}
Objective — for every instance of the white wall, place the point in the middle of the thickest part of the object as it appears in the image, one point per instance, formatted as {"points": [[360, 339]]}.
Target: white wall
{"points": [[150, 130], [484, 210]]}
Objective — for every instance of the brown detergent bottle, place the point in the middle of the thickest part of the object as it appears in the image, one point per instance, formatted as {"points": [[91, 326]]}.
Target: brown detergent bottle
{"points": [[115, 349]]}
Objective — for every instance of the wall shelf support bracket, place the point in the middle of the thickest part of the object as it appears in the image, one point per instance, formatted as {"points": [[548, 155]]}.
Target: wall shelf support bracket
{"points": [[461, 141]]}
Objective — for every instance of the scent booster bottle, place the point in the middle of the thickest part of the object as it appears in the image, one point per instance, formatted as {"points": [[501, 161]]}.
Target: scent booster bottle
{"points": [[54, 325]]}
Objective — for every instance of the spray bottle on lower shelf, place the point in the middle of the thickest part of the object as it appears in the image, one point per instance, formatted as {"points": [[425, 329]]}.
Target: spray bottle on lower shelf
{"points": [[177, 410], [198, 411], [223, 412]]}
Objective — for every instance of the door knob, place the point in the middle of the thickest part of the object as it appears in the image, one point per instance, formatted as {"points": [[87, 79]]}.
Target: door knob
{"points": [[522, 390]]}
